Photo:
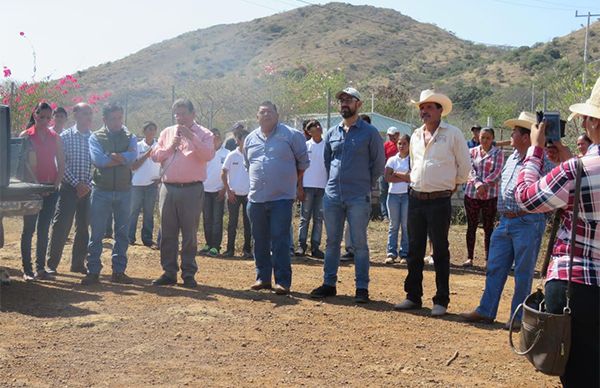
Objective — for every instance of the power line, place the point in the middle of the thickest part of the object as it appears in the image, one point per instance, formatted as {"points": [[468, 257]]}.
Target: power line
{"points": [[531, 6], [260, 5], [573, 6]]}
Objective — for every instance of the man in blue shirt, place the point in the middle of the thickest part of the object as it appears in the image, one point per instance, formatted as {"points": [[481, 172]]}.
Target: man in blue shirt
{"points": [[354, 159], [113, 150], [276, 157]]}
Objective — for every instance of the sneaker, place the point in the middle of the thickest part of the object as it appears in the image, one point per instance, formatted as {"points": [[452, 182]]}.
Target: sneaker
{"points": [[407, 304], [403, 261], [164, 280], [300, 252], [81, 270], [281, 290], [428, 260], [120, 278], [90, 279], [190, 282], [391, 258], [204, 250], [43, 275], [28, 277], [348, 256], [323, 291], [475, 317], [52, 271], [468, 263], [317, 254], [228, 253], [213, 252], [260, 285], [438, 310], [248, 255], [361, 296]]}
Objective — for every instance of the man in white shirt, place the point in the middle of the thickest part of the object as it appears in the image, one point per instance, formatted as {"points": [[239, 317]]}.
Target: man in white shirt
{"points": [[144, 190], [311, 189], [214, 199], [440, 161], [237, 185]]}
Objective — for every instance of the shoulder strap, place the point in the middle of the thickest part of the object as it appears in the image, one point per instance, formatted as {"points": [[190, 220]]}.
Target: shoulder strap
{"points": [[574, 219]]}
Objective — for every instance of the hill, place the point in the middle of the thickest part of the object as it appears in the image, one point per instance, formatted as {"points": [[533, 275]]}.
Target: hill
{"points": [[370, 46]]}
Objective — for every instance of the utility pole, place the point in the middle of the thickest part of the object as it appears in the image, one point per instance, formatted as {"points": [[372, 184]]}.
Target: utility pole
{"points": [[372, 102], [328, 108], [585, 44], [532, 97]]}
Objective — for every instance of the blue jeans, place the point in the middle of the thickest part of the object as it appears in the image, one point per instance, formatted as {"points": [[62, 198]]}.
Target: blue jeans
{"points": [[357, 212], [43, 220], [384, 186], [143, 198], [514, 240], [103, 205], [270, 225], [397, 205], [312, 207]]}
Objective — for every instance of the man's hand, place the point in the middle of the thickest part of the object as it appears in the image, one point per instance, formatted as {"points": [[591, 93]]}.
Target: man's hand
{"points": [[300, 194], [538, 134], [184, 131], [481, 190], [82, 190], [221, 194], [231, 198], [176, 141], [117, 158]]}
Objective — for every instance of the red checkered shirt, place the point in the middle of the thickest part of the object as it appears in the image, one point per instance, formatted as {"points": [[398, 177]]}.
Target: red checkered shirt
{"points": [[555, 191], [485, 169]]}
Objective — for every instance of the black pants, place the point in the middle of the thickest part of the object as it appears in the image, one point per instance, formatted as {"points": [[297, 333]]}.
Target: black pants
{"points": [[583, 367], [70, 207], [212, 219], [43, 220], [428, 217], [234, 211]]}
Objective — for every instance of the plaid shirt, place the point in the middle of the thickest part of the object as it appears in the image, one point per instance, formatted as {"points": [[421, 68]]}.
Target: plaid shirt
{"points": [[78, 165], [556, 191], [485, 170], [508, 185]]}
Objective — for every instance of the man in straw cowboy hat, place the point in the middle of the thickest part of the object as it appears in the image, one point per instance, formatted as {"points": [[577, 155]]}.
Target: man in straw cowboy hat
{"points": [[440, 161], [538, 193], [517, 237]]}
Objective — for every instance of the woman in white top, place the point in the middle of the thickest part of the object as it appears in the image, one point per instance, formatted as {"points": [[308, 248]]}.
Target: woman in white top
{"points": [[397, 173]]}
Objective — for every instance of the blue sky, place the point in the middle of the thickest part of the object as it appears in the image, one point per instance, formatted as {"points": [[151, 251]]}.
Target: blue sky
{"points": [[69, 35]]}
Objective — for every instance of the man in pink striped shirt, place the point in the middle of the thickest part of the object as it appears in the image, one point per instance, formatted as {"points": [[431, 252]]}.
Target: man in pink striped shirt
{"points": [[183, 150]]}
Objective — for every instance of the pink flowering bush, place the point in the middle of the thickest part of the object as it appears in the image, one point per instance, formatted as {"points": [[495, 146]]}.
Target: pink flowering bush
{"points": [[23, 97]]}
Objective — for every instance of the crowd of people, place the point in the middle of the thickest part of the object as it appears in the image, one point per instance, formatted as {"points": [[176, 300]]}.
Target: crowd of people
{"points": [[109, 176]]}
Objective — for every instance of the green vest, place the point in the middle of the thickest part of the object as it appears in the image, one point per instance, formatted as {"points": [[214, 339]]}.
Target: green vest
{"points": [[117, 178]]}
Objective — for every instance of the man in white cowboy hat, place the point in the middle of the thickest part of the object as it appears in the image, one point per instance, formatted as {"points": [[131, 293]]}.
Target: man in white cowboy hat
{"points": [[354, 159], [518, 236], [440, 161]]}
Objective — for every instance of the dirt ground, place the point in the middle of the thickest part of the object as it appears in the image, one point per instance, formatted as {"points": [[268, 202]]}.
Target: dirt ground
{"points": [[59, 333]]}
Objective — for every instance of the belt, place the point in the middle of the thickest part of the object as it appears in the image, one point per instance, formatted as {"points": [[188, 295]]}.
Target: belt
{"points": [[186, 184], [433, 195], [514, 214]]}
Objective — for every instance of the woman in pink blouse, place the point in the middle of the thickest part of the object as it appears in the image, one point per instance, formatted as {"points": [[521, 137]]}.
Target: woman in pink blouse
{"points": [[481, 191], [44, 162], [540, 194]]}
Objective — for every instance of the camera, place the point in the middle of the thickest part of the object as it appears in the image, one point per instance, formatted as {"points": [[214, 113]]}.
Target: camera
{"points": [[555, 127]]}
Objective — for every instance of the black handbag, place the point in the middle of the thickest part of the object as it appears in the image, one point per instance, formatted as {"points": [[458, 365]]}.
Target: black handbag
{"points": [[545, 338]]}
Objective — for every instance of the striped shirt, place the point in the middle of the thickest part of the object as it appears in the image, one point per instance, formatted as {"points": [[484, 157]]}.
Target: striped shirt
{"points": [[538, 193], [508, 184], [485, 170], [78, 164]]}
